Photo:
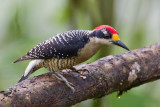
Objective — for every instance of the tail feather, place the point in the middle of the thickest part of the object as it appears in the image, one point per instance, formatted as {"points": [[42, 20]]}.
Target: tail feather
{"points": [[25, 77], [25, 57], [30, 69]]}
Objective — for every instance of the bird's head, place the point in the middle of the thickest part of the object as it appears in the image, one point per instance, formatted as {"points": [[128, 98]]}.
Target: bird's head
{"points": [[108, 35]]}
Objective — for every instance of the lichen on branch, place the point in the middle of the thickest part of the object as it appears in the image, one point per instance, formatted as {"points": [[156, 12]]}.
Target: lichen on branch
{"points": [[109, 74]]}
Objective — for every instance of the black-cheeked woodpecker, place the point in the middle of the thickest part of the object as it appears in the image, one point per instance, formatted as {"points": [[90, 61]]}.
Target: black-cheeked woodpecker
{"points": [[68, 49]]}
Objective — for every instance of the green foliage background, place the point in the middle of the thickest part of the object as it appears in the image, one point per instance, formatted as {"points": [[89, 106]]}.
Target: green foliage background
{"points": [[25, 23]]}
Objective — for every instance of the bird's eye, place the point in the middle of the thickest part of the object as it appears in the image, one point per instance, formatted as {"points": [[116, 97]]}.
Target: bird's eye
{"points": [[106, 33]]}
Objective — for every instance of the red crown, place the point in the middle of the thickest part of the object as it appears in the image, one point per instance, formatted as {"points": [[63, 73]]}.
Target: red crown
{"points": [[111, 29]]}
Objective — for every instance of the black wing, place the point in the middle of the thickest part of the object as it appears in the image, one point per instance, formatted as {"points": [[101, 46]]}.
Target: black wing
{"points": [[62, 45]]}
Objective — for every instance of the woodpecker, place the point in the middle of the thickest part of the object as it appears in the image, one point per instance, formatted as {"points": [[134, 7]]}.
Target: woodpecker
{"points": [[69, 48]]}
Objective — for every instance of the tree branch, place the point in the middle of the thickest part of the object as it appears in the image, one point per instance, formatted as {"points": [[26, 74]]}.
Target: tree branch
{"points": [[107, 75]]}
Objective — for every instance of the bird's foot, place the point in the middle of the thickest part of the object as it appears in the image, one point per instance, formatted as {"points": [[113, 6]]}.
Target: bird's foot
{"points": [[62, 78], [81, 68]]}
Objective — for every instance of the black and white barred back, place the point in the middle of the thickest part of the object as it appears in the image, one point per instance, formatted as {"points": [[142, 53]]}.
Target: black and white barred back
{"points": [[63, 45], [57, 53]]}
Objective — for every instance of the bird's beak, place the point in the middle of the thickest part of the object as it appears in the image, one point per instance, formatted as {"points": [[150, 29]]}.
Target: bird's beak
{"points": [[116, 41]]}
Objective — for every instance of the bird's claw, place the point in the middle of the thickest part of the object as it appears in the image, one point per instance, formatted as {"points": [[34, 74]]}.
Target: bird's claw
{"points": [[81, 68], [62, 78]]}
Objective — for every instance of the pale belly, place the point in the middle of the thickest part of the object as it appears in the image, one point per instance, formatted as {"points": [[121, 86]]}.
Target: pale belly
{"points": [[56, 64]]}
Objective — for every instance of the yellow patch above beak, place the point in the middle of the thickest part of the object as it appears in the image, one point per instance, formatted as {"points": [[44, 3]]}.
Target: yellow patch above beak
{"points": [[115, 37]]}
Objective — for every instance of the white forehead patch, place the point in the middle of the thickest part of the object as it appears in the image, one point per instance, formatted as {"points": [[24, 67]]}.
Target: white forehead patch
{"points": [[104, 31]]}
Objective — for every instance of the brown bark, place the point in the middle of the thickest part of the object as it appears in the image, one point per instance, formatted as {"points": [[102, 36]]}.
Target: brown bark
{"points": [[107, 75]]}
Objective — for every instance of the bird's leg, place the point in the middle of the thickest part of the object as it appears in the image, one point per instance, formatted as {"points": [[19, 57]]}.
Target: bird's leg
{"points": [[62, 78]]}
